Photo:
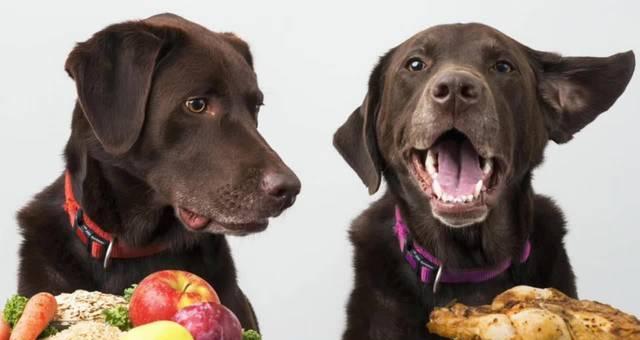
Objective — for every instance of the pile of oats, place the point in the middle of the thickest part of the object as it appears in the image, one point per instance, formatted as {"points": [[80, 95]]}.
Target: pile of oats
{"points": [[88, 330], [85, 306]]}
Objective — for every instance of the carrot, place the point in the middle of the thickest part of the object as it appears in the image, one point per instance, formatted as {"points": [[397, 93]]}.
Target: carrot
{"points": [[37, 314], [5, 329]]}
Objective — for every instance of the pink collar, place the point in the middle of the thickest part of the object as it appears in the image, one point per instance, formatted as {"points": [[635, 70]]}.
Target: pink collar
{"points": [[430, 269]]}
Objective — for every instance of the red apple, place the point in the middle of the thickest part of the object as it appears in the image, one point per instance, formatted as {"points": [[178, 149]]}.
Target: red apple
{"points": [[160, 295], [209, 321]]}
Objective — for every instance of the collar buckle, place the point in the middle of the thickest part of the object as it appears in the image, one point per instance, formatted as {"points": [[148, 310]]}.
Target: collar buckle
{"points": [[421, 261], [104, 247], [422, 264]]}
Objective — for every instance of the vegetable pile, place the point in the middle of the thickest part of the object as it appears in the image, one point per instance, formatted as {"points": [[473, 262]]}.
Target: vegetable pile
{"points": [[28, 319]]}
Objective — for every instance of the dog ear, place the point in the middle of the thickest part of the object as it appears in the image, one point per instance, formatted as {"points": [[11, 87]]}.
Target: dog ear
{"points": [[577, 89], [239, 45], [356, 139], [113, 71]]}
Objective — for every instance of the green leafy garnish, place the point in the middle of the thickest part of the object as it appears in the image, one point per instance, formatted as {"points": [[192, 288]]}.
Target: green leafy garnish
{"points": [[118, 317], [49, 331], [128, 292], [251, 335], [13, 311]]}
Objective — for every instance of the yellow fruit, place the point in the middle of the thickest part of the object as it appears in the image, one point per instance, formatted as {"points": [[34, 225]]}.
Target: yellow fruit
{"points": [[159, 330]]}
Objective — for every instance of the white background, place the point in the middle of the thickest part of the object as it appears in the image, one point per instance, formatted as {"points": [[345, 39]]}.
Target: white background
{"points": [[313, 61]]}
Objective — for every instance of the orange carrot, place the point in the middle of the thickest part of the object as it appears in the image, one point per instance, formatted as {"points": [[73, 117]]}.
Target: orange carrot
{"points": [[5, 329], [37, 314]]}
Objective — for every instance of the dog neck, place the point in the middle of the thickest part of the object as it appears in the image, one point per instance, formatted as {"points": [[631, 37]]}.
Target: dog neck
{"points": [[121, 203], [501, 236]]}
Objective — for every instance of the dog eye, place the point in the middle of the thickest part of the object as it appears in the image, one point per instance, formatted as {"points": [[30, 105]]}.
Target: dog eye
{"points": [[415, 65], [503, 66], [196, 105]]}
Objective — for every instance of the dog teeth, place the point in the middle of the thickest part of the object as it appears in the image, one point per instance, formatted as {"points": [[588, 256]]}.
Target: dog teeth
{"points": [[478, 188], [446, 198], [437, 190], [488, 166], [430, 164]]}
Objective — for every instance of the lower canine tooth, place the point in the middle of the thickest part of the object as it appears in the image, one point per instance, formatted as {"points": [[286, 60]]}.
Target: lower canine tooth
{"points": [[478, 188], [437, 190]]}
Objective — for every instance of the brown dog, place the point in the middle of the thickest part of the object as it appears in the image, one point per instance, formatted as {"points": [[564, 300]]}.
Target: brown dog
{"points": [[164, 159], [455, 119]]}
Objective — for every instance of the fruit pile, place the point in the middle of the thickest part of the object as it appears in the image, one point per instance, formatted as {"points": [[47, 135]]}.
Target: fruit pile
{"points": [[181, 306], [169, 304]]}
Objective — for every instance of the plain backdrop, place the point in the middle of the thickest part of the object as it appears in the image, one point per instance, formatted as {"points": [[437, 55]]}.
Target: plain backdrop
{"points": [[313, 60]]}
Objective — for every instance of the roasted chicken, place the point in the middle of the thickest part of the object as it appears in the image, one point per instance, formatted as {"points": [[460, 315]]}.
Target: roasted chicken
{"points": [[527, 313]]}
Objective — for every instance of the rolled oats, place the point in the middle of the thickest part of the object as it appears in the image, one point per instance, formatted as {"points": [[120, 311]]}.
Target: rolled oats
{"points": [[88, 330], [82, 305]]}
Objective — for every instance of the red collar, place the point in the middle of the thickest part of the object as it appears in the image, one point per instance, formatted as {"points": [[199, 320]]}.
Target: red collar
{"points": [[100, 244]]}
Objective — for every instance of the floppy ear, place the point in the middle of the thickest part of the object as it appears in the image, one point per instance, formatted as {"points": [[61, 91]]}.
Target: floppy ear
{"points": [[113, 72], [577, 89], [356, 139]]}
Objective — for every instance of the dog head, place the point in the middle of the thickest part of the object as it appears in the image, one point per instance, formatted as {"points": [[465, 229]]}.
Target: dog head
{"points": [[459, 114], [176, 106]]}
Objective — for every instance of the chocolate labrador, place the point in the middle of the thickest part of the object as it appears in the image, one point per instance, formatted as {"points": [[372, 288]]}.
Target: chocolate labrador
{"points": [[455, 119], [163, 161]]}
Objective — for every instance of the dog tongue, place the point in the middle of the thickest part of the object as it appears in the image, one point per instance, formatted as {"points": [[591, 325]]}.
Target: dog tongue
{"points": [[193, 220], [458, 167]]}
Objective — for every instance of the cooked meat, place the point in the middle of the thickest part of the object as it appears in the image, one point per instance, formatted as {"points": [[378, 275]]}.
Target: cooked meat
{"points": [[527, 313]]}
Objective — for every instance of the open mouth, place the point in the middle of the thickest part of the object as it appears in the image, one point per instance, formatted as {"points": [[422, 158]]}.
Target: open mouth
{"points": [[456, 178], [197, 222]]}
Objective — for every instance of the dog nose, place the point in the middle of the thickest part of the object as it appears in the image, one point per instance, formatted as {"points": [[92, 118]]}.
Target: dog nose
{"points": [[281, 187], [458, 88]]}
